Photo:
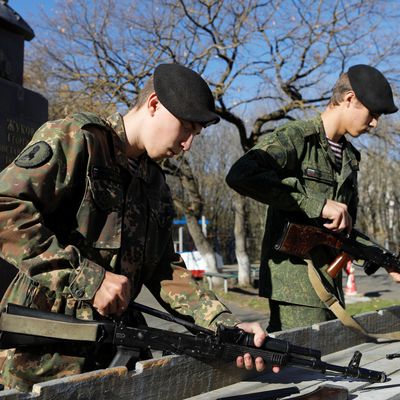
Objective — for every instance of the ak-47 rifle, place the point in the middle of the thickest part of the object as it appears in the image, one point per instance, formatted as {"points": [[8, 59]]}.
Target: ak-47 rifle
{"points": [[299, 240], [24, 327]]}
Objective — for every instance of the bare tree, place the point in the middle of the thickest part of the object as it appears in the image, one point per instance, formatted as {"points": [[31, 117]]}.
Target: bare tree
{"points": [[191, 205], [379, 188], [273, 59]]}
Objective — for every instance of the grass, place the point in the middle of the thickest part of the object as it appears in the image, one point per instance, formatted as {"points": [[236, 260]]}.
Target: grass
{"points": [[373, 305], [247, 298]]}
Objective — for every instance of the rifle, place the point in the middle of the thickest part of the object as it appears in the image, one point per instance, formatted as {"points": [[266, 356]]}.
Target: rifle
{"points": [[299, 240], [23, 327]]}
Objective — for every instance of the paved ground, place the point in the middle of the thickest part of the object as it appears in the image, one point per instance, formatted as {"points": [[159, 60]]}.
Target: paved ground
{"points": [[379, 285], [146, 298]]}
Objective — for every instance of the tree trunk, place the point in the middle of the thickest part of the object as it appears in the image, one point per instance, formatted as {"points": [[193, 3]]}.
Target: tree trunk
{"points": [[202, 244], [192, 209], [240, 241], [204, 248]]}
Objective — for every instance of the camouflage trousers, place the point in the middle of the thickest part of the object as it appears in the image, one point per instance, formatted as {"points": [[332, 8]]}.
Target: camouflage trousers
{"points": [[287, 316], [21, 370]]}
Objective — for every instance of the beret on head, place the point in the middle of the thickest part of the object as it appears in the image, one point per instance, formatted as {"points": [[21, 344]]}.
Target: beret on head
{"points": [[372, 89], [185, 94]]}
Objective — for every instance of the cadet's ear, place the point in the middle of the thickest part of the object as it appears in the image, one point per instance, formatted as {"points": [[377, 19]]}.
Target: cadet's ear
{"points": [[349, 97], [152, 103]]}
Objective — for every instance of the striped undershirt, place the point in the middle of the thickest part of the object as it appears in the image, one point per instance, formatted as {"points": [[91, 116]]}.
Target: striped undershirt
{"points": [[337, 149]]}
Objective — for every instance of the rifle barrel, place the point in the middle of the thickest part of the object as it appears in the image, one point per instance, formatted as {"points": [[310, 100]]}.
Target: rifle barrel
{"points": [[354, 372]]}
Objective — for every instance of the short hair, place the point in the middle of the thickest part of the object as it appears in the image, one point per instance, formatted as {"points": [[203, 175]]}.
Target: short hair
{"points": [[342, 86], [145, 92]]}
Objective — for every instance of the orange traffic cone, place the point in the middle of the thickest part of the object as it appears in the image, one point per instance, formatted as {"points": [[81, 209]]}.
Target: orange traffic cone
{"points": [[350, 289]]}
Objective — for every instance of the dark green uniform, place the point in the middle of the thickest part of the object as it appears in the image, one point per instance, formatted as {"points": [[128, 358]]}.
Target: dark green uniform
{"points": [[293, 170]]}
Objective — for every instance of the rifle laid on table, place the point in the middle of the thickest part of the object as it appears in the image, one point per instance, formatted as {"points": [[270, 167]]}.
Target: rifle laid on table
{"points": [[24, 327], [298, 240]]}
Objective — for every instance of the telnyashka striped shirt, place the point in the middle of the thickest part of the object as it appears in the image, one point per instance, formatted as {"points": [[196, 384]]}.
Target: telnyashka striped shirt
{"points": [[337, 149]]}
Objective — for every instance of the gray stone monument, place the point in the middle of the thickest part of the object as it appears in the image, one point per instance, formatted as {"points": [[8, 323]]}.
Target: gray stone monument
{"points": [[22, 111]]}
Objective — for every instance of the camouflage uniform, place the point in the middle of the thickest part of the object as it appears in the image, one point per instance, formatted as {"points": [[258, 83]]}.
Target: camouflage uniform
{"points": [[70, 209], [293, 170]]}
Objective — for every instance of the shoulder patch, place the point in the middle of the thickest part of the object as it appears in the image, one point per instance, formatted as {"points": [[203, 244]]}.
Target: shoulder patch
{"points": [[34, 156]]}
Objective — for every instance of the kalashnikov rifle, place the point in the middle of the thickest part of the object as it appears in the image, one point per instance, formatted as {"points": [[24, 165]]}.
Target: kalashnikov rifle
{"points": [[23, 327], [299, 240]]}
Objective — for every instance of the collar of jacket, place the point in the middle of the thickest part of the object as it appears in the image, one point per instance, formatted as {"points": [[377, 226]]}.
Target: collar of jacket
{"points": [[350, 153], [143, 171], [320, 131], [116, 123], [120, 141]]}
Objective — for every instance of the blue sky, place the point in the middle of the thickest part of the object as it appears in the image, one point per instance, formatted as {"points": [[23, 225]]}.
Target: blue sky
{"points": [[30, 9]]}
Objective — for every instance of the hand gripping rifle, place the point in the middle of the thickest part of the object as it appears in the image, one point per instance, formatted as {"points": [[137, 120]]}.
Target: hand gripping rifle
{"points": [[24, 327], [298, 240]]}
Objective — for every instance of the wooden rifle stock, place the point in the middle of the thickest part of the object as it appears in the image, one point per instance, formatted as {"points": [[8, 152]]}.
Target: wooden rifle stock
{"points": [[298, 240]]}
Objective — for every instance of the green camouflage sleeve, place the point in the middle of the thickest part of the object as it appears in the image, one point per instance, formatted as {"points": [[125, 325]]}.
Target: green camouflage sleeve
{"points": [[38, 183], [186, 297], [180, 294], [267, 173]]}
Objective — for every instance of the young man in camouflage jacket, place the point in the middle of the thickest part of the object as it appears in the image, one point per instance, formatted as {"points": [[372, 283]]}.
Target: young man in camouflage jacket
{"points": [[296, 172], [86, 214]]}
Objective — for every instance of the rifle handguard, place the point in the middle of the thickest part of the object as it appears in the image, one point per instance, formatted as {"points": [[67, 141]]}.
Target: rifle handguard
{"points": [[338, 264], [240, 337]]}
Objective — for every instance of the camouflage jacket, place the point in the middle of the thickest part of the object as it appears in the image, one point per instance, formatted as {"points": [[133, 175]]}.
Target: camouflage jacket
{"points": [[293, 170], [72, 207]]}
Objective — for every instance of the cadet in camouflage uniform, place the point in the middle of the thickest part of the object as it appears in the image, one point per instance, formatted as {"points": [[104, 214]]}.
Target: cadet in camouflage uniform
{"points": [[85, 215], [295, 172]]}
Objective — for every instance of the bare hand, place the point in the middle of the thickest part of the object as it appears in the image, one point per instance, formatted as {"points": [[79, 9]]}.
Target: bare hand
{"points": [[338, 215], [259, 337], [393, 273], [113, 295]]}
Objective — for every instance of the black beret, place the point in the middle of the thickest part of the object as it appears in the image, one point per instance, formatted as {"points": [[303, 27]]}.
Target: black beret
{"points": [[185, 94], [372, 89]]}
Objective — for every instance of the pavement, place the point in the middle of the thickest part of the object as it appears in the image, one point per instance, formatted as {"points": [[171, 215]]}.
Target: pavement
{"points": [[245, 314], [380, 285]]}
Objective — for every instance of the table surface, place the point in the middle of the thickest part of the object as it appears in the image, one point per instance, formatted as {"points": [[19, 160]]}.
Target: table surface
{"points": [[373, 357]]}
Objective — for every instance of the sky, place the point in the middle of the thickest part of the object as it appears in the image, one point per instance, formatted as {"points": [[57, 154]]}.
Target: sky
{"points": [[30, 9]]}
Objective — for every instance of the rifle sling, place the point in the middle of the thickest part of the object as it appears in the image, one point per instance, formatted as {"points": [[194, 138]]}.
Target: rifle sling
{"points": [[334, 305], [48, 328]]}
